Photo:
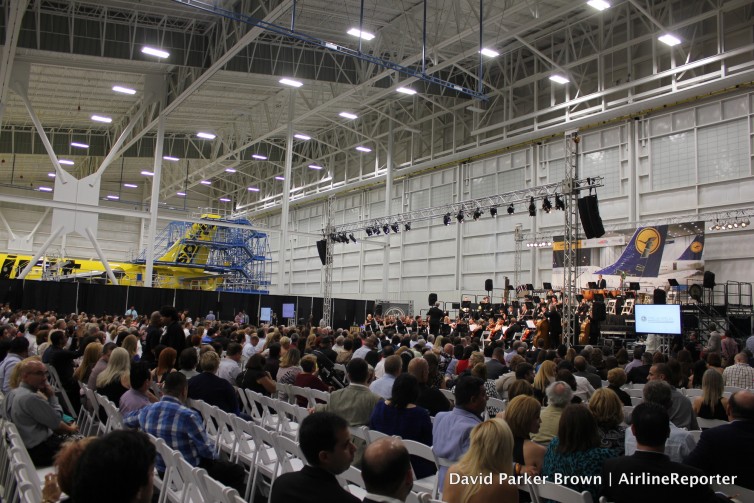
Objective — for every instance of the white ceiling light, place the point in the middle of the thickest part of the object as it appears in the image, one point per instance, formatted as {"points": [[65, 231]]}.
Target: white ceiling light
{"points": [[113, 197], [670, 40], [302, 136], [279, 178], [598, 4], [315, 166], [253, 189], [51, 175], [259, 157], [206, 136], [181, 194], [230, 170], [45, 189], [364, 35], [363, 149], [406, 90], [490, 53], [67, 162], [147, 173], [101, 118], [155, 52], [131, 185], [170, 158], [206, 182], [124, 90], [79, 145], [291, 82], [348, 115], [559, 79], [225, 199]]}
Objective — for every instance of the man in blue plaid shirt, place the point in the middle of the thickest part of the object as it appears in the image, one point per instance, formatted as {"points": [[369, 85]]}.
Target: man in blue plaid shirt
{"points": [[182, 429]]}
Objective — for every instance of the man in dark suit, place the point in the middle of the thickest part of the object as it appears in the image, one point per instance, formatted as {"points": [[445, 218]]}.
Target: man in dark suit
{"points": [[434, 318], [628, 479], [726, 450], [601, 283], [386, 470]]}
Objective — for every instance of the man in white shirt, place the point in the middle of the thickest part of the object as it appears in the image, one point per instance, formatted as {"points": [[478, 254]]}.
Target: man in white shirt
{"points": [[230, 366], [384, 385]]}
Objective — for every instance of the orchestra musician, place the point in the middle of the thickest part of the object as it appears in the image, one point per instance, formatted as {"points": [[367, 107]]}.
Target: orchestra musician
{"points": [[555, 326], [601, 283]]}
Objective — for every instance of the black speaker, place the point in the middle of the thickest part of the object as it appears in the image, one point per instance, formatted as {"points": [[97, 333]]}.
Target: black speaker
{"points": [[322, 250], [709, 279], [659, 296], [378, 310], [488, 285], [432, 299], [599, 311], [591, 221]]}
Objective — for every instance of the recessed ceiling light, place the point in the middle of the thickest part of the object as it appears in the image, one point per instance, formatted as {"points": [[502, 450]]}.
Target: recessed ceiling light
{"points": [[314, 166], [101, 118], [45, 189], [363, 149], [225, 199], [253, 189], [79, 145], [406, 90], [291, 82], [67, 162], [490, 53], [113, 197], [206, 136], [259, 157], [230, 170], [206, 182], [131, 185], [181, 194], [599, 4], [155, 52], [170, 158], [669, 39], [365, 35], [348, 115], [51, 175], [124, 90], [302, 136], [559, 79], [279, 178]]}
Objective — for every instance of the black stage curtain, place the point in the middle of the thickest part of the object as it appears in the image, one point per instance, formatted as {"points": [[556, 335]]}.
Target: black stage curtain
{"points": [[49, 295], [360, 312], [197, 302], [103, 299], [147, 300], [12, 292], [304, 310], [317, 314], [230, 303], [369, 309]]}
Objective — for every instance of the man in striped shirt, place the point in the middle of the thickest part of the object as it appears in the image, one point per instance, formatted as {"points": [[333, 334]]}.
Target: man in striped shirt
{"points": [[739, 374]]}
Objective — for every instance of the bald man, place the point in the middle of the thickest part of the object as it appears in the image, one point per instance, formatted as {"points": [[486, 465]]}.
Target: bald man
{"points": [[430, 398], [726, 450], [386, 470]]}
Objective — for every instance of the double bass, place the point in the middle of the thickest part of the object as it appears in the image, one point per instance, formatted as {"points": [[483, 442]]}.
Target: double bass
{"points": [[584, 334], [543, 332]]}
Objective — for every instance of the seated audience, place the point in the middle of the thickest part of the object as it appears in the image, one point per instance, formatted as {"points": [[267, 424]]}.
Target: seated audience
{"points": [[138, 396], [212, 389], [617, 378], [166, 364], [384, 385], [115, 379], [681, 412], [740, 374], [429, 398], [559, 395], [255, 378], [187, 362], [522, 415], [545, 376], [386, 471], [308, 378], [607, 410], [711, 404], [288, 370]]}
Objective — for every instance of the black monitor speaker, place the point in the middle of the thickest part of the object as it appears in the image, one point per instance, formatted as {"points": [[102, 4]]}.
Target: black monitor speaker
{"points": [[659, 296], [488, 285], [590, 217], [322, 250], [432, 299], [546, 286], [599, 311]]}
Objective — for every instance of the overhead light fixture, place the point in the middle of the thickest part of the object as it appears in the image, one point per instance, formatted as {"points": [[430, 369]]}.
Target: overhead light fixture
{"points": [[459, 217], [477, 213], [730, 225], [170, 158], [113, 197], [230, 170], [600, 5], [493, 212], [206, 136], [348, 115], [206, 182], [79, 145], [546, 204], [407, 226], [101, 118], [279, 178], [718, 226], [67, 162], [291, 82], [363, 149], [669, 40], [315, 166], [152, 51], [253, 189], [396, 228], [368, 231], [386, 229], [532, 208], [124, 90], [406, 90], [376, 230], [351, 237], [51, 175], [147, 173], [302, 137], [559, 203], [559, 79], [181, 194], [490, 53], [131, 185], [259, 157], [511, 209], [225, 199], [364, 35], [45, 189], [446, 219]]}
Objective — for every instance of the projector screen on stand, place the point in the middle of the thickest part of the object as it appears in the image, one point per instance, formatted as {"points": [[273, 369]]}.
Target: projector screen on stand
{"points": [[661, 319]]}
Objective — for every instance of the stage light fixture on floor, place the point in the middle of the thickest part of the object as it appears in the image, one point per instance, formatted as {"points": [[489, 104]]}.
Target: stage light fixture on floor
{"points": [[407, 226], [546, 205], [446, 219], [459, 217], [477, 213], [559, 203], [396, 228], [511, 209], [352, 238], [493, 212], [532, 208]]}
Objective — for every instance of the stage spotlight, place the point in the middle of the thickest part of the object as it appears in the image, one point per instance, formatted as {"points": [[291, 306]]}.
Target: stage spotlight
{"points": [[532, 208], [511, 209], [352, 238], [446, 219], [386, 229], [396, 228], [333, 237], [745, 223], [376, 230], [730, 225], [407, 226], [493, 212], [344, 238], [459, 217], [559, 203], [477, 213], [546, 204], [369, 231], [717, 226]]}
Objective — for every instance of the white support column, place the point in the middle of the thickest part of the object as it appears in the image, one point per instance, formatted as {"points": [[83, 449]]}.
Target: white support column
{"points": [[283, 288], [42, 250], [101, 256], [388, 208], [154, 201]]}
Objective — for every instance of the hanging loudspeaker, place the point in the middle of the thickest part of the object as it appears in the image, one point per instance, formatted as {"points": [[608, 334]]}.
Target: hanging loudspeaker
{"points": [[322, 250], [659, 296], [591, 221], [709, 279], [432, 299], [488, 285]]}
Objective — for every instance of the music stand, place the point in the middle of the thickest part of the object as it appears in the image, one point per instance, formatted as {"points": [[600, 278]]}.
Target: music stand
{"points": [[672, 282], [634, 286], [592, 285], [546, 286], [529, 286], [455, 305]]}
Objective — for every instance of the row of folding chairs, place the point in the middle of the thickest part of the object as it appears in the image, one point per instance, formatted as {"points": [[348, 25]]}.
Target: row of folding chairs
{"points": [[90, 423], [21, 481], [57, 386]]}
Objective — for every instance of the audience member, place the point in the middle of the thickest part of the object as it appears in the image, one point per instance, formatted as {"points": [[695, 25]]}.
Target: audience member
{"points": [[115, 379], [187, 362], [166, 364], [740, 374], [681, 412], [522, 415], [138, 396], [386, 471], [711, 404], [617, 378], [639, 374], [559, 395], [429, 398], [255, 378], [607, 410], [496, 365], [545, 376], [580, 364], [384, 385], [230, 365], [17, 351], [212, 389]]}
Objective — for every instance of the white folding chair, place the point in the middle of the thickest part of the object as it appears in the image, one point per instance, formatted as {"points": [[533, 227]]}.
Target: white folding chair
{"points": [[289, 423], [266, 465], [58, 387], [709, 423], [360, 432], [422, 451], [693, 392], [256, 407], [305, 393], [270, 416], [352, 482], [96, 427], [245, 452], [636, 401], [290, 455], [449, 395], [496, 403], [322, 396], [558, 493]]}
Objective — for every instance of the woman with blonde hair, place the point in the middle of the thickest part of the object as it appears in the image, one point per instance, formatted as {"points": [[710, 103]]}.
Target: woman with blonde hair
{"points": [[490, 454], [288, 370], [545, 376], [130, 344], [116, 378], [522, 415], [712, 404], [92, 354], [607, 409]]}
